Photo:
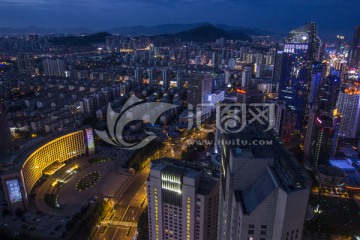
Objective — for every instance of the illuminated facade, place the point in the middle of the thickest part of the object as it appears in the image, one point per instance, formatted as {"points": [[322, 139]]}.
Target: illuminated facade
{"points": [[293, 69], [348, 105], [35, 162], [5, 134], [182, 202]]}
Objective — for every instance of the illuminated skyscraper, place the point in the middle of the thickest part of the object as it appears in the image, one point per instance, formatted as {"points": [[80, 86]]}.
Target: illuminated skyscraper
{"points": [[355, 49], [182, 202], [328, 93], [321, 142], [348, 105], [295, 66], [5, 134]]}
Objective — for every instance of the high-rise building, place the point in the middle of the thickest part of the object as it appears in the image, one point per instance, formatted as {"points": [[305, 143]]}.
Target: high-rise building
{"points": [[321, 142], [263, 189], [246, 77], [316, 79], [24, 63], [182, 202], [355, 49], [54, 67], [165, 78], [301, 49], [348, 105], [199, 89], [328, 93], [5, 134]]}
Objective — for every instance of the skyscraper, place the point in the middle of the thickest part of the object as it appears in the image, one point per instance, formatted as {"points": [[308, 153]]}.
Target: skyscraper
{"points": [[199, 89], [258, 198], [348, 105], [299, 53], [316, 79], [321, 142], [328, 93], [182, 202], [355, 49], [54, 67], [5, 134], [246, 77]]}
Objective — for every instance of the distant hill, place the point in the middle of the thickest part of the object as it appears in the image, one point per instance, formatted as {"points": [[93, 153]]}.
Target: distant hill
{"points": [[207, 33], [81, 40], [133, 30]]}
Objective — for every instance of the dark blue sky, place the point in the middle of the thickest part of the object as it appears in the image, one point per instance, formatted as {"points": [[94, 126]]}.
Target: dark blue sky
{"points": [[333, 16]]}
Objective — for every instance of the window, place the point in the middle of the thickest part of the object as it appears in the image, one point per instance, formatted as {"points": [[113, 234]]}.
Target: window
{"points": [[251, 232]]}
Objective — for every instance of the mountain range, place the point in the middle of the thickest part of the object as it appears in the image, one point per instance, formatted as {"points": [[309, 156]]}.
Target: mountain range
{"points": [[204, 33], [133, 31]]}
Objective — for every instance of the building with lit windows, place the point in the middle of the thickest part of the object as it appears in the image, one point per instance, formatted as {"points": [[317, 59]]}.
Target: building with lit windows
{"points": [[26, 168], [54, 67], [355, 49], [321, 138], [348, 105], [182, 201], [264, 191], [5, 134], [293, 69]]}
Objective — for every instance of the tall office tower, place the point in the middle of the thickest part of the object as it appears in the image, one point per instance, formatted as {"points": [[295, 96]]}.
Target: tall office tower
{"points": [[355, 49], [316, 78], [150, 73], [54, 67], [310, 130], [178, 79], [246, 77], [328, 93], [5, 134], [182, 202], [165, 78], [321, 144], [137, 76], [300, 51], [278, 64], [24, 63], [348, 105], [199, 89], [263, 189], [213, 60]]}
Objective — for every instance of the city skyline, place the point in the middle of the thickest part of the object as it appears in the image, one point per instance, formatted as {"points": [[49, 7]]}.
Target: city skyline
{"points": [[333, 18]]}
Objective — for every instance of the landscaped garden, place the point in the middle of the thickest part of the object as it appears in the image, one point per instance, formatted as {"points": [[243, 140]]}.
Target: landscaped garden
{"points": [[88, 181], [52, 201]]}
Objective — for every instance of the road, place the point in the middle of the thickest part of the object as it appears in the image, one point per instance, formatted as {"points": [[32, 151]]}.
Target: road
{"points": [[130, 202]]}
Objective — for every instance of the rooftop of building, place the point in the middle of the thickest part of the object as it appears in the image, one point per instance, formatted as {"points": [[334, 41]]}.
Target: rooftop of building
{"points": [[287, 169], [207, 180]]}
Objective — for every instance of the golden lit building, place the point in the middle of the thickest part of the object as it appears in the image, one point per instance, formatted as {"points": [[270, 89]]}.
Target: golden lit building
{"points": [[34, 160]]}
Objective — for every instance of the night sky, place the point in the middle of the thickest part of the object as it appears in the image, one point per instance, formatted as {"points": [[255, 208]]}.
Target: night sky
{"points": [[333, 16]]}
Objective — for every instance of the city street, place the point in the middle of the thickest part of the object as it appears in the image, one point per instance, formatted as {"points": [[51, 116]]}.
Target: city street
{"points": [[130, 202]]}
